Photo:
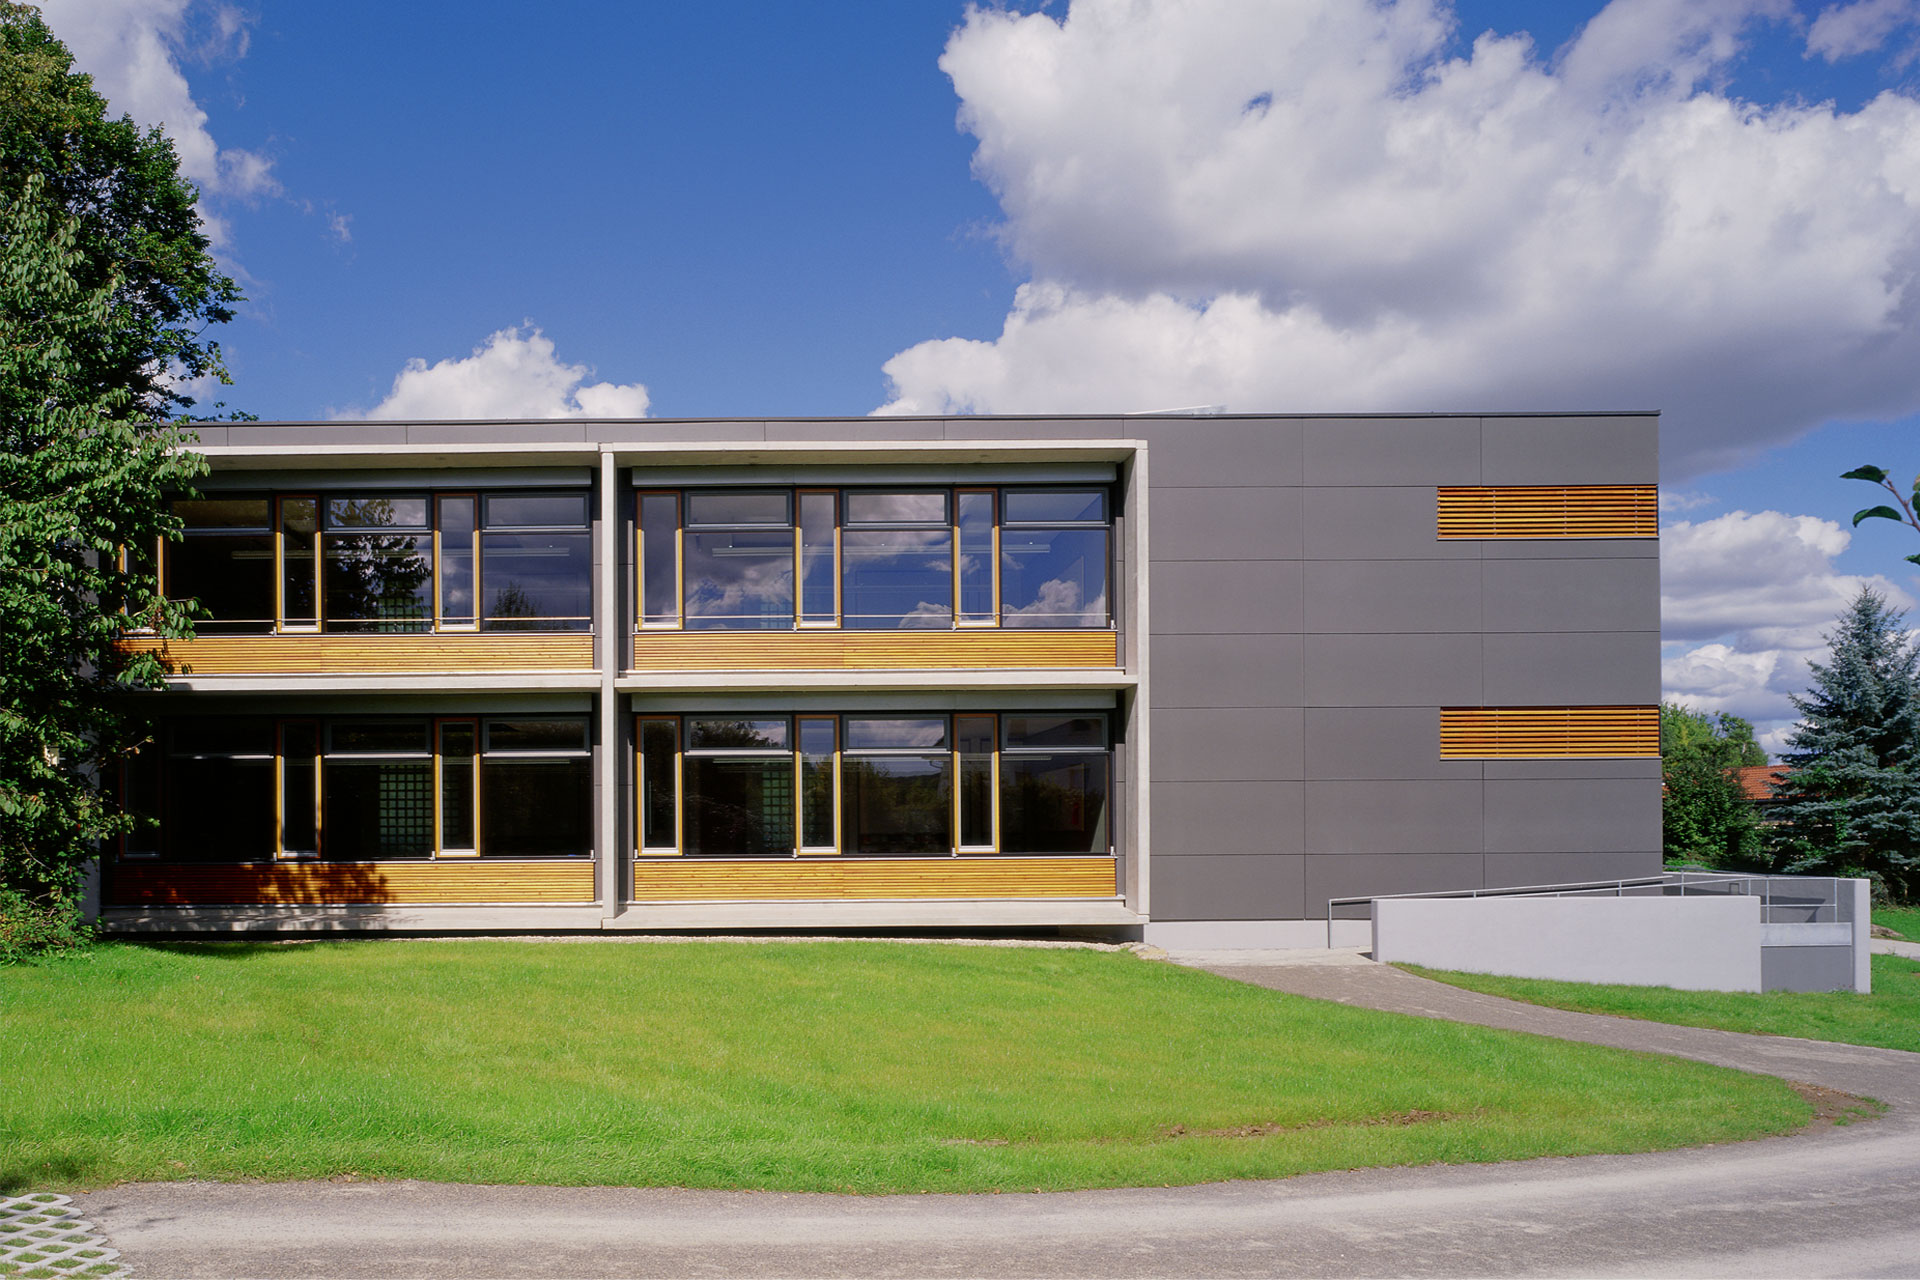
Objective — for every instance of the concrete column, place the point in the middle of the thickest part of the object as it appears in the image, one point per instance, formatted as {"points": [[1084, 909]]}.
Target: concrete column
{"points": [[606, 623]]}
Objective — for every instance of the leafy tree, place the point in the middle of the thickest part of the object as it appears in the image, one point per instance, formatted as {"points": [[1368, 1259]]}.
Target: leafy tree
{"points": [[1705, 816], [1908, 505], [106, 287], [1850, 804]]}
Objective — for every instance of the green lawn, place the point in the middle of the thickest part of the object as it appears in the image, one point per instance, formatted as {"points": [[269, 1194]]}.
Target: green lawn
{"points": [[1887, 1019], [806, 1066], [1904, 921]]}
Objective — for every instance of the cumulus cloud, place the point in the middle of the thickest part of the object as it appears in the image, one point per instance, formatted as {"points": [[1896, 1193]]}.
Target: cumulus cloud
{"points": [[1844, 30], [1760, 589], [1317, 206], [132, 49], [510, 375]]}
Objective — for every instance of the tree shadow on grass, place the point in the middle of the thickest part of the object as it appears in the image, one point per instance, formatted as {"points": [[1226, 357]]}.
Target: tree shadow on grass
{"points": [[18, 1178]]}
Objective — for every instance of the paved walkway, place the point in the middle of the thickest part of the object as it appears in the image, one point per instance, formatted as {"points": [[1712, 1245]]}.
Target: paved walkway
{"points": [[1835, 1201]]}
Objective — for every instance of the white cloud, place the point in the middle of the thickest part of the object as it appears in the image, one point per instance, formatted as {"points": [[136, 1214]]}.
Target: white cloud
{"points": [[131, 48], [1843, 30], [1762, 591], [1310, 207], [507, 376]]}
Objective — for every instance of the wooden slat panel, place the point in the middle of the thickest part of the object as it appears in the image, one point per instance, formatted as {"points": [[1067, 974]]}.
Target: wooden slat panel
{"points": [[1550, 511], [828, 878], [1470, 733], [807, 650], [349, 883], [329, 654]]}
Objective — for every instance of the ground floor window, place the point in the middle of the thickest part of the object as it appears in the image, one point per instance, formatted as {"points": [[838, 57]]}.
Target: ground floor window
{"points": [[363, 788], [872, 785]]}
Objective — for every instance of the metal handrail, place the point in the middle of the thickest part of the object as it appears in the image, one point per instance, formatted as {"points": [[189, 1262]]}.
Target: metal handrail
{"points": [[1667, 879]]}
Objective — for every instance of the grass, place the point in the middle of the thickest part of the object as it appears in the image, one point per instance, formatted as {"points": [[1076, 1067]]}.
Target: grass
{"points": [[1904, 921], [1889, 1018], [865, 1067]]}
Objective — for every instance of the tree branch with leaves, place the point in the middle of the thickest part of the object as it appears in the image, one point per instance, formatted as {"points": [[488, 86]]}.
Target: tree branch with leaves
{"points": [[1908, 504]]}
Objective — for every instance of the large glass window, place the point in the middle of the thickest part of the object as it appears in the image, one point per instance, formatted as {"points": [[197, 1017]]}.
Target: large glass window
{"points": [[874, 559], [225, 560], [382, 563], [366, 789], [536, 788], [896, 566], [217, 791], [536, 562], [1054, 774], [737, 777], [873, 785], [1053, 559]]}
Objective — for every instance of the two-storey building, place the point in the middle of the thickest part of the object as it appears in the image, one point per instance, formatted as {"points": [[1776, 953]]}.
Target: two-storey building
{"points": [[1193, 674]]}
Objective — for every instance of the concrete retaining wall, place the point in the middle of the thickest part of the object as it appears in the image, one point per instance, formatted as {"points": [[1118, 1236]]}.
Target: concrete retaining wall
{"points": [[1693, 943]]}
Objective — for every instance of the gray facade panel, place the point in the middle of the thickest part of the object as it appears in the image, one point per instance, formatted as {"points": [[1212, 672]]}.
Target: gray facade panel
{"points": [[1376, 451], [1227, 597], [1404, 817], [1388, 744], [1393, 670], [1570, 548], [1222, 452], [335, 433], [1039, 429], [1399, 523], [1570, 668], [1517, 870], [1217, 887], [719, 431], [1639, 767], [1227, 671], [1225, 524], [208, 433], [1571, 595], [1571, 450], [1221, 744], [1213, 818], [1372, 873], [859, 429], [1392, 595], [1591, 815], [498, 433]]}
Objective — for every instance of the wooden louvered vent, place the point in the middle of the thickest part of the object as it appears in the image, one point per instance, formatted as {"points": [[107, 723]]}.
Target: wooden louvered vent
{"points": [[1479, 733], [1550, 511]]}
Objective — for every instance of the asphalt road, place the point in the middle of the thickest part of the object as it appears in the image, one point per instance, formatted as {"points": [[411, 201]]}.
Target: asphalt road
{"points": [[1834, 1201]]}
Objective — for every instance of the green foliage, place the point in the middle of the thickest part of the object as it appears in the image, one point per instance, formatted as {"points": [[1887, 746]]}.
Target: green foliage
{"points": [[30, 928], [1850, 804], [1908, 504], [105, 288], [1705, 816], [822, 1066]]}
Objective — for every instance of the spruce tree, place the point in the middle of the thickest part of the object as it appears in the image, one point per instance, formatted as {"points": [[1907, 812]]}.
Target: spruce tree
{"points": [[1851, 802]]}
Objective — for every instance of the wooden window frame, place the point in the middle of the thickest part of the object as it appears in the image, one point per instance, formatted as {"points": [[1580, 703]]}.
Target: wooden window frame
{"points": [[960, 848], [440, 624], [440, 849], [800, 847], [641, 848], [679, 620], [280, 852]]}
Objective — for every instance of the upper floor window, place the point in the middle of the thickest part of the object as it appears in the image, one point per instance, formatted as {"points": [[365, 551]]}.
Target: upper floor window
{"points": [[874, 559], [385, 562]]}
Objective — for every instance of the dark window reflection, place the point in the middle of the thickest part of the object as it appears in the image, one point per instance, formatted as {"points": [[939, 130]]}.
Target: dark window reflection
{"points": [[231, 574], [738, 807], [896, 578], [1053, 803], [895, 805], [218, 809], [378, 809], [1053, 578], [536, 808]]}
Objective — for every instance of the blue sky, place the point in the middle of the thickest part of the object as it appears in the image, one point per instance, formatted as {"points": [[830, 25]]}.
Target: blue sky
{"points": [[1710, 207]]}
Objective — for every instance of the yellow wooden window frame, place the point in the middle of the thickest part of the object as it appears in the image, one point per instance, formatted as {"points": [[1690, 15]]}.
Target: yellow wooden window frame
{"points": [[678, 535], [440, 849], [641, 848], [800, 847]]}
